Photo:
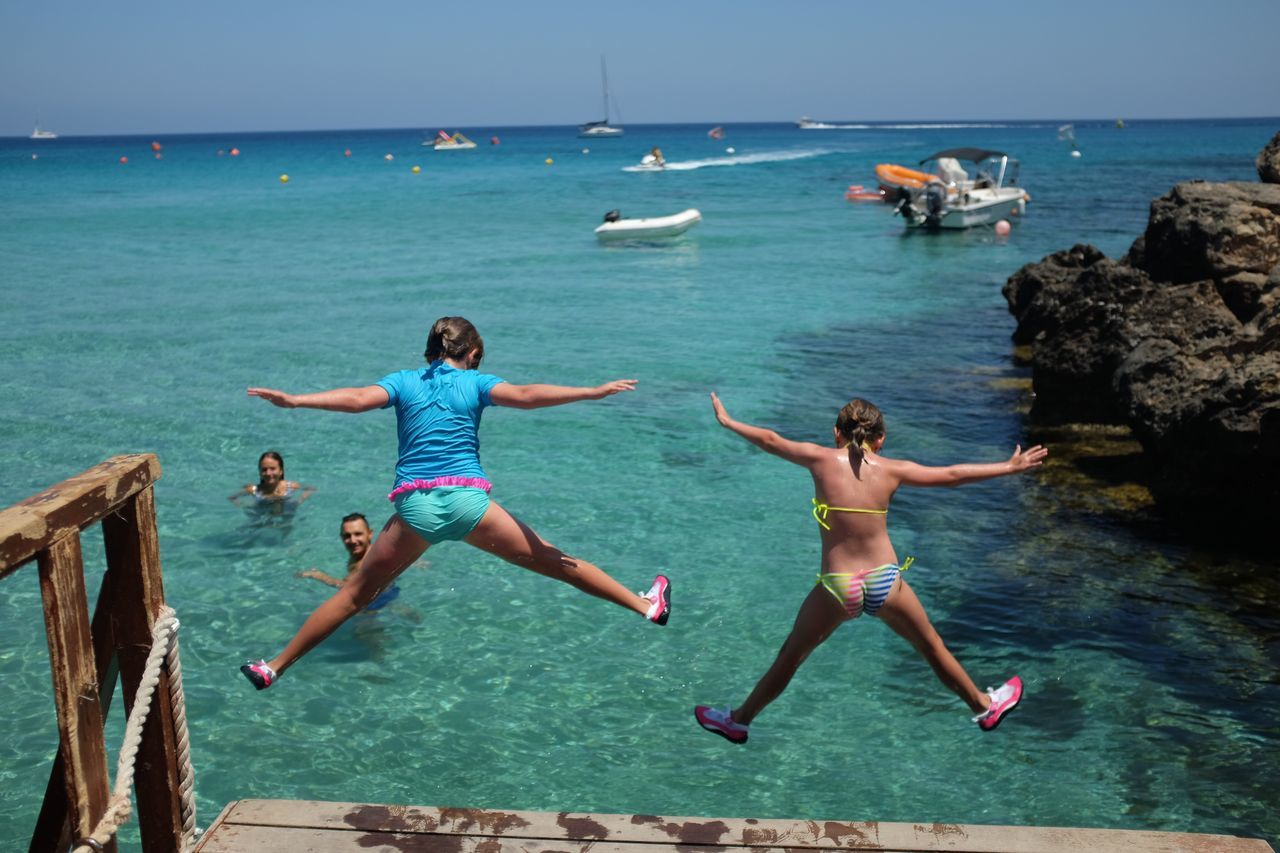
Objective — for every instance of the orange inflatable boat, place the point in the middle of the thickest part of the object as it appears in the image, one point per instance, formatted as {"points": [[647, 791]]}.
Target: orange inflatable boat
{"points": [[900, 176]]}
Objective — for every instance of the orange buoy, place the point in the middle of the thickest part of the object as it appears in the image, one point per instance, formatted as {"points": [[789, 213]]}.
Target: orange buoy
{"points": [[124, 159], [346, 153], [235, 152], [493, 140], [156, 146]]}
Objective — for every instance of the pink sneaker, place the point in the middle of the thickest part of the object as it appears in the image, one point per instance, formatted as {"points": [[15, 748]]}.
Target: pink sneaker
{"points": [[259, 673], [1003, 701], [659, 596], [720, 721]]}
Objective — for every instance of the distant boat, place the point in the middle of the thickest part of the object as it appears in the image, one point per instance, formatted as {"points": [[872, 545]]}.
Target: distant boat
{"points": [[43, 134], [602, 128], [716, 132], [807, 123], [445, 142], [1120, 123]]}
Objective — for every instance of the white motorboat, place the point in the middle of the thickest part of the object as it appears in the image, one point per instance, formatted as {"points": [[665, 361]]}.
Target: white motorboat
{"points": [[617, 228], [951, 197], [447, 142], [807, 123], [602, 128], [43, 134]]}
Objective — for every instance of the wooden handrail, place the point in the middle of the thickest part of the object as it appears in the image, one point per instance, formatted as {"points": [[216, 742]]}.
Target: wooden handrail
{"points": [[86, 657], [31, 526]]}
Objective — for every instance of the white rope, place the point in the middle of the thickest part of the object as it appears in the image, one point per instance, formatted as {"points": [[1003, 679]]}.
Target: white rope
{"points": [[164, 647]]}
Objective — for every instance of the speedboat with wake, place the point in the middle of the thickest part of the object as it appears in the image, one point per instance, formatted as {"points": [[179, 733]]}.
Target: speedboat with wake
{"points": [[949, 196], [615, 227]]}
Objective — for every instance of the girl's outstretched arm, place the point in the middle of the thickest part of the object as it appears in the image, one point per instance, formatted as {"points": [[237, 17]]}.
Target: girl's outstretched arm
{"points": [[913, 474], [799, 452], [338, 400], [541, 396]]}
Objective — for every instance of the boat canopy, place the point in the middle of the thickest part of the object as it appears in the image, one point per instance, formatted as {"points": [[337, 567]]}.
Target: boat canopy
{"points": [[972, 155]]}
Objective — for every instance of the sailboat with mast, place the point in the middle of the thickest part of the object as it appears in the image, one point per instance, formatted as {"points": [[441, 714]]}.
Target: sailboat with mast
{"points": [[602, 128]]}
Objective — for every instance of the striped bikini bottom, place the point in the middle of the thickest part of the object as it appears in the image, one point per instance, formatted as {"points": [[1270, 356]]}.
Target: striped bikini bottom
{"points": [[865, 591]]}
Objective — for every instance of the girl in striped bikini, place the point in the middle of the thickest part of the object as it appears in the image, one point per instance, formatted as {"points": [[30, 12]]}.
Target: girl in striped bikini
{"points": [[860, 571]]}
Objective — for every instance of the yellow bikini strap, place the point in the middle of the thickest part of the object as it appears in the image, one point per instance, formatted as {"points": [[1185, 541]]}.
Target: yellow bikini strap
{"points": [[821, 510], [906, 564]]}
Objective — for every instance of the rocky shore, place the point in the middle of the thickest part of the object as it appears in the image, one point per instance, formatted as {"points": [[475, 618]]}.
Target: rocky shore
{"points": [[1179, 341]]}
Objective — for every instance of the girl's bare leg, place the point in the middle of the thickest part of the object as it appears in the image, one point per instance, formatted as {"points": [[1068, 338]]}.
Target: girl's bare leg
{"points": [[818, 617], [904, 613], [395, 549], [503, 535]]}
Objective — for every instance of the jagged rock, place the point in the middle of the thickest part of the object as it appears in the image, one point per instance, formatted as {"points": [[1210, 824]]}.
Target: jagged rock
{"points": [[1269, 161], [1179, 340], [1213, 231]]}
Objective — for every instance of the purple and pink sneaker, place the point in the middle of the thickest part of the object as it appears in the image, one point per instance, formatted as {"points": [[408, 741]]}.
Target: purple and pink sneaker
{"points": [[720, 721], [259, 673], [1003, 700]]}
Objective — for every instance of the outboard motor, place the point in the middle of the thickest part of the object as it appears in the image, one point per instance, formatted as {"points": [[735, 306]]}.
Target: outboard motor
{"points": [[935, 199], [613, 216]]}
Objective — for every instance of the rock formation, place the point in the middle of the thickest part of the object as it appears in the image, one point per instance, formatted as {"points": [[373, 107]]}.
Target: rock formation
{"points": [[1179, 340]]}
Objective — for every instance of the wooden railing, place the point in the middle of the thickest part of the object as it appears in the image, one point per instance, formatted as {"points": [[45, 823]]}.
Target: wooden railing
{"points": [[87, 657]]}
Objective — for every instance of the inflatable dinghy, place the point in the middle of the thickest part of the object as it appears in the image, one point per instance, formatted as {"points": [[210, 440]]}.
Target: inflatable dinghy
{"points": [[617, 228]]}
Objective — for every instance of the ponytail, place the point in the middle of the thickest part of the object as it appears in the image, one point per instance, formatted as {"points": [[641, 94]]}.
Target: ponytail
{"points": [[860, 423]]}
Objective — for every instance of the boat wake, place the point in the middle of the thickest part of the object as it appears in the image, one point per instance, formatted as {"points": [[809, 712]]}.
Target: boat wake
{"points": [[732, 160], [914, 126]]}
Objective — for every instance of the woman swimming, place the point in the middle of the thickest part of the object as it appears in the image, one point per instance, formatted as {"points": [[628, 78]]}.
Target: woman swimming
{"points": [[853, 486], [273, 493], [440, 491]]}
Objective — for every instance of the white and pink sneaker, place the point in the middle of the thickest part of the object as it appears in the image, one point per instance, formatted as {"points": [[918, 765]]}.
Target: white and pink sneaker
{"points": [[261, 675], [1003, 701], [720, 721], [659, 597]]}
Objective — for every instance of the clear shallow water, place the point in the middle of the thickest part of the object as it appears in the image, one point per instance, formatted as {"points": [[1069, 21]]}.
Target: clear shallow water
{"points": [[140, 300]]}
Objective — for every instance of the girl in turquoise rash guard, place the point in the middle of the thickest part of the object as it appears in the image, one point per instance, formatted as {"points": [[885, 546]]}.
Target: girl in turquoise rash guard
{"points": [[440, 491]]}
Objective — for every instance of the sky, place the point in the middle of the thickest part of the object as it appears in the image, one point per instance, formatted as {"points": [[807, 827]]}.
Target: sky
{"points": [[89, 68]]}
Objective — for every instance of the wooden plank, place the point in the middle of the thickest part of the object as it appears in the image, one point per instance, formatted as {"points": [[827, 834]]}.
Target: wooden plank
{"points": [[686, 832], [53, 830], [246, 838], [133, 562], [75, 683], [30, 526]]}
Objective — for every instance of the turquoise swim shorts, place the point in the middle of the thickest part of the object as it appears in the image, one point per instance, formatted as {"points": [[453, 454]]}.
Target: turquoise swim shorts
{"points": [[441, 514]]}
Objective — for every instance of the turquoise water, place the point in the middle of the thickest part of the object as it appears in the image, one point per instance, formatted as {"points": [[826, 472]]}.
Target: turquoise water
{"points": [[141, 299]]}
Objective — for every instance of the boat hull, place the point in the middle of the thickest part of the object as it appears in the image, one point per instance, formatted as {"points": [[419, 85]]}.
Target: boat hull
{"points": [[1008, 203], [600, 131], [649, 228]]}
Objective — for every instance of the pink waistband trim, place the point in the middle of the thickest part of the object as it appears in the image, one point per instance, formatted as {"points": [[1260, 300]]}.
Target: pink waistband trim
{"points": [[437, 482]]}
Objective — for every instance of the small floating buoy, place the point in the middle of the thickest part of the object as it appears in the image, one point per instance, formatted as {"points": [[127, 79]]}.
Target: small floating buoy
{"points": [[1076, 154], [493, 140], [159, 156], [550, 161], [729, 150], [156, 146], [284, 179], [388, 157], [586, 150], [124, 159], [1003, 228], [35, 156], [235, 152], [346, 153], [417, 169]]}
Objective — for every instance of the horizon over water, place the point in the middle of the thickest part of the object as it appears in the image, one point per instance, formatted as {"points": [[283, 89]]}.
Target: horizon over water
{"points": [[143, 298]]}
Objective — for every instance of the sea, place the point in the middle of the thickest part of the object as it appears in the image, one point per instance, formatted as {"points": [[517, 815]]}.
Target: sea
{"points": [[148, 280]]}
